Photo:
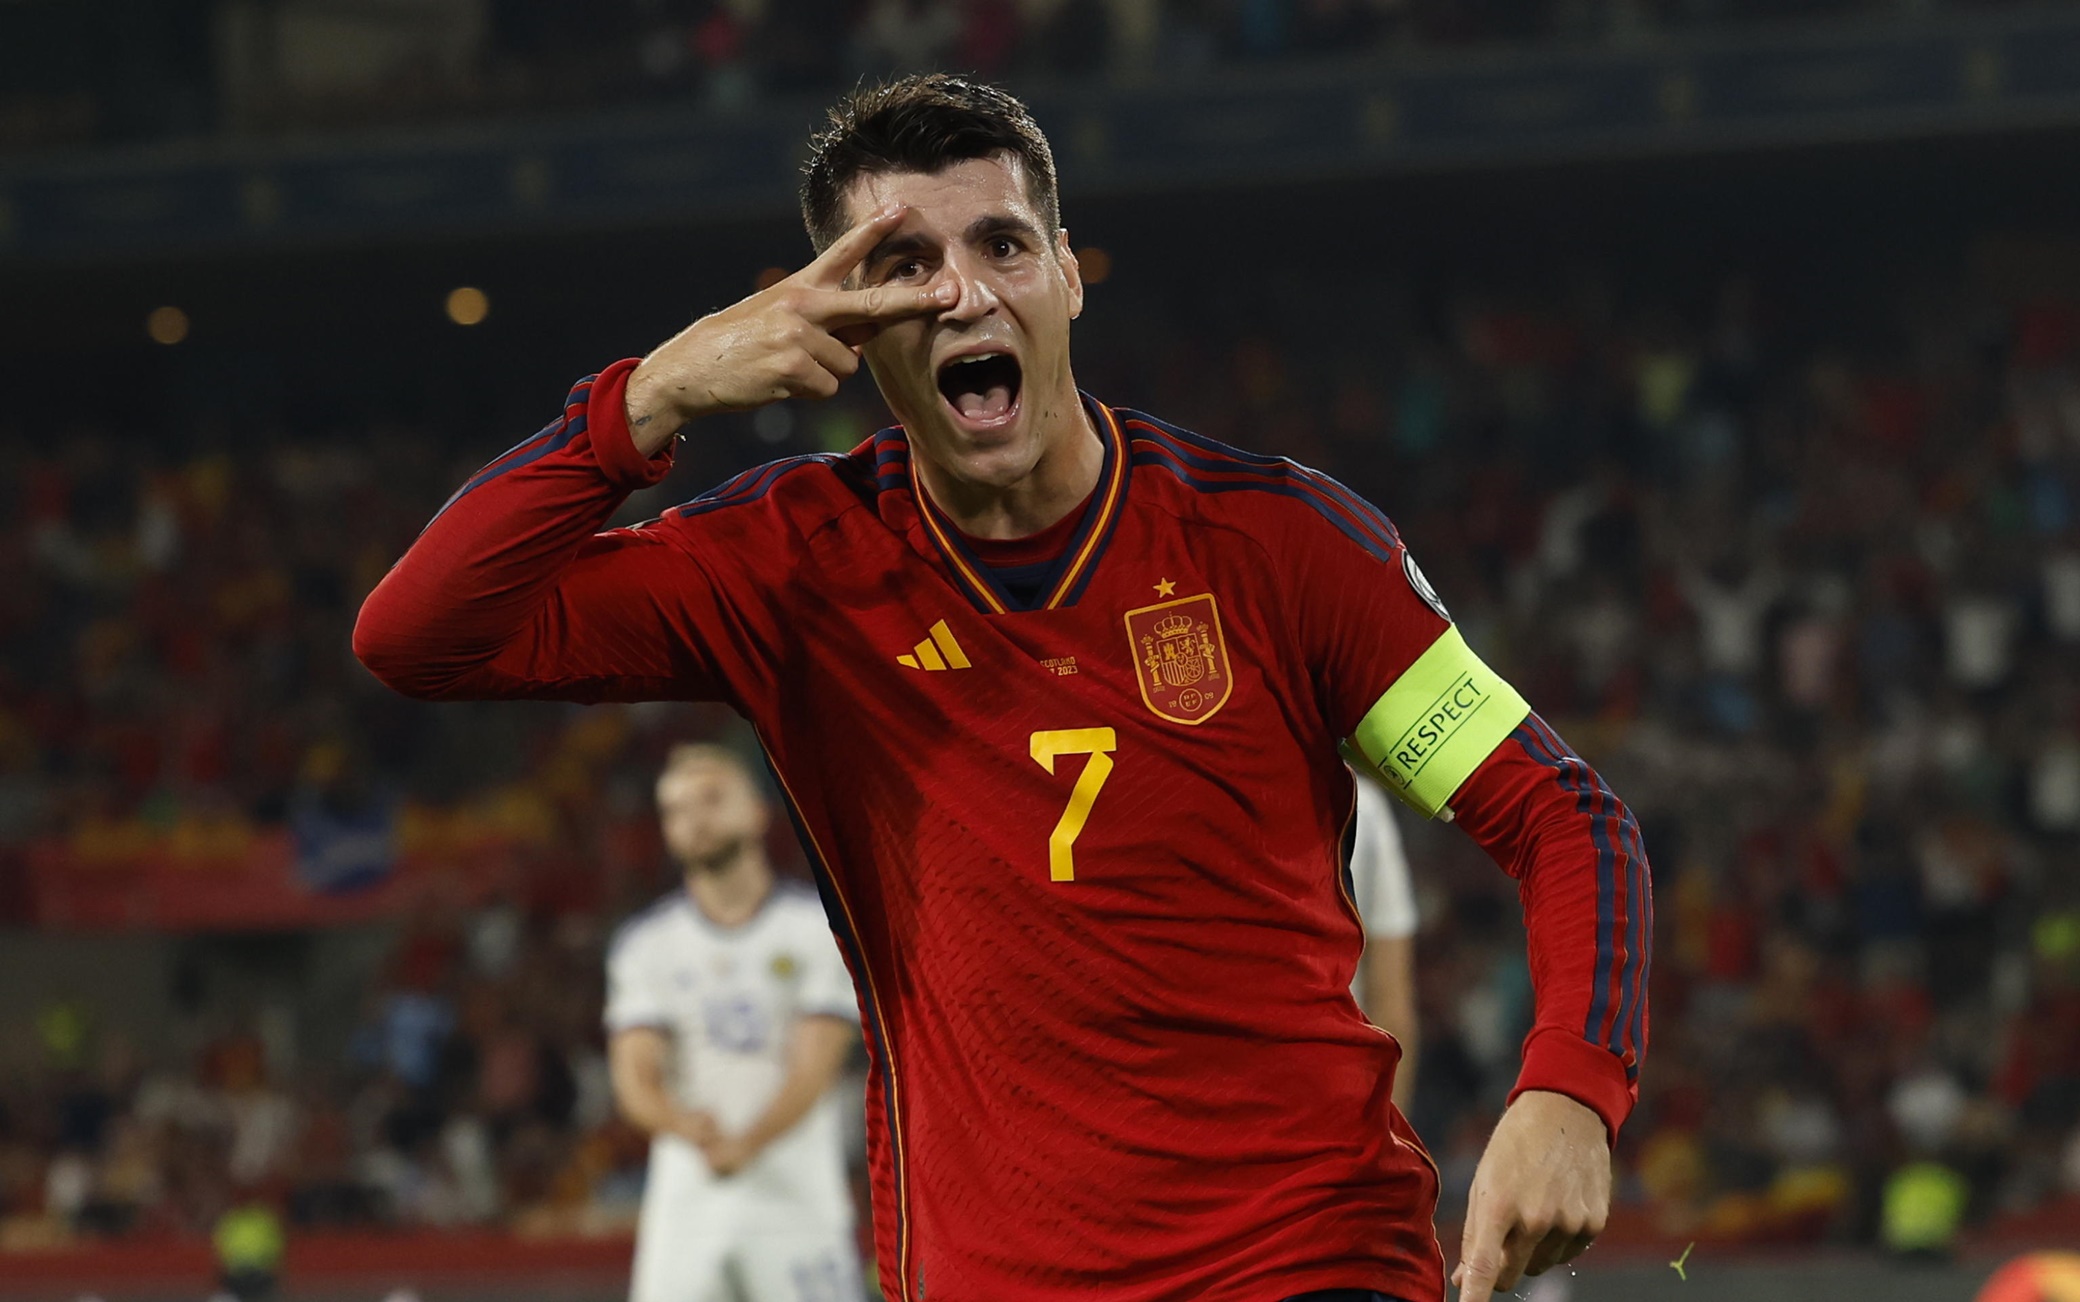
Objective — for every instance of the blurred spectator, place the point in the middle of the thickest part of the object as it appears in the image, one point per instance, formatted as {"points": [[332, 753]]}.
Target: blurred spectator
{"points": [[98, 71], [1820, 630]]}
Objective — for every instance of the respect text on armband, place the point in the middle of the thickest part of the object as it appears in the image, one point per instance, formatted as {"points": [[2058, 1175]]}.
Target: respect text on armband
{"points": [[1435, 727]]}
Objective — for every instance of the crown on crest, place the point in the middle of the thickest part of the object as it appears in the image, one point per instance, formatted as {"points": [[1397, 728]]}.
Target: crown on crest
{"points": [[1170, 626]]}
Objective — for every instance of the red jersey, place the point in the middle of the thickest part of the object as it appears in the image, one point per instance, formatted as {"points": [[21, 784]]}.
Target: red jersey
{"points": [[1082, 853]]}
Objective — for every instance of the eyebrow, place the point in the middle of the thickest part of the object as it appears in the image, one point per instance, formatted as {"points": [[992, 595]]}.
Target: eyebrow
{"points": [[980, 229]]}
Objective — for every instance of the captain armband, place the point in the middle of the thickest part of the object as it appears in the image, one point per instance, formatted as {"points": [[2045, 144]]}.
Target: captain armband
{"points": [[1429, 731]]}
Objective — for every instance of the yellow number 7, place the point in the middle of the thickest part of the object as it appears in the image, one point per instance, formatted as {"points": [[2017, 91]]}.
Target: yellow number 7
{"points": [[1098, 743]]}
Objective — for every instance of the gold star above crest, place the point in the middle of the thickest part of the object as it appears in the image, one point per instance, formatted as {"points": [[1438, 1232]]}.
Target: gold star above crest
{"points": [[1166, 587]]}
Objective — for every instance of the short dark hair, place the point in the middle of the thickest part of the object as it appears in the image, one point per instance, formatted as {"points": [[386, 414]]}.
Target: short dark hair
{"points": [[922, 123]]}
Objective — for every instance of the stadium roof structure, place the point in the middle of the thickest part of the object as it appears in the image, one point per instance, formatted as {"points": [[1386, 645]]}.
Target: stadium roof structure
{"points": [[1815, 84]]}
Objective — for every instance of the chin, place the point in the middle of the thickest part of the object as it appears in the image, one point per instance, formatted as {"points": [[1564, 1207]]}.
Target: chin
{"points": [[998, 457]]}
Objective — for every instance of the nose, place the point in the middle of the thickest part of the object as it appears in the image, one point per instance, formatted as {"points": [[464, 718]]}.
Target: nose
{"points": [[977, 299]]}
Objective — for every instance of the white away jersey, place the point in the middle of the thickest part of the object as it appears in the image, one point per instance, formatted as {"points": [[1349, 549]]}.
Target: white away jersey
{"points": [[728, 999], [1379, 867]]}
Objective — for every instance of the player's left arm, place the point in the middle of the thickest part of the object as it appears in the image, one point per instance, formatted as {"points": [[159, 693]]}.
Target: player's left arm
{"points": [[816, 1051], [1452, 739]]}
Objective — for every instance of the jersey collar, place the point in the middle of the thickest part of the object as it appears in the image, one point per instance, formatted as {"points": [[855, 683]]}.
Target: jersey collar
{"points": [[1078, 561]]}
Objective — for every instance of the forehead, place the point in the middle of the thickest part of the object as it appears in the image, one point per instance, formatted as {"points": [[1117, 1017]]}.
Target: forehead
{"points": [[949, 198], [691, 775]]}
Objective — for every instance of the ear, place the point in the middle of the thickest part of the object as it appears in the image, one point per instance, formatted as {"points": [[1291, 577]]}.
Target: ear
{"points": [[1072, 271]]}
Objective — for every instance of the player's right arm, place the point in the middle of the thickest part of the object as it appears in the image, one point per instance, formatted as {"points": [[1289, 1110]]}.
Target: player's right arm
{"points": [[638, 1017], [636, 1058], [511, 592]]}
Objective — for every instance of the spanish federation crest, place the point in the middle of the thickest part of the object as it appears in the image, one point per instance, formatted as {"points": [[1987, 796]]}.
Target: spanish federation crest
{"points": [[1181, 658]]}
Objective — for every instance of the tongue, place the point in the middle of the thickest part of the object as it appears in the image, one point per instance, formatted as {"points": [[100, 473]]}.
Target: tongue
{"points": [[986, 405]]}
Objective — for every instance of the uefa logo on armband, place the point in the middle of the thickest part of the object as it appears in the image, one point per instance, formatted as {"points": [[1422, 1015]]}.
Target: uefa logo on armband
{"points": [[1421, 583]]}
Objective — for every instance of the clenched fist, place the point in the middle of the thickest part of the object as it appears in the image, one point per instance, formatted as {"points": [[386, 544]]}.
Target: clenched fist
{"points": [[798, 339]]}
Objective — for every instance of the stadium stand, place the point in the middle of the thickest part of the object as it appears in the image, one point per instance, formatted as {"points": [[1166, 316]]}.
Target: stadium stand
{"points": [[1813, 606], [118, 70], [1792, 553]]}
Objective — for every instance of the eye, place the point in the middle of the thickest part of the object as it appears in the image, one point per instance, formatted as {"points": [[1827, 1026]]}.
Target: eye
{"points": [[907, 269], [1002, 247]]}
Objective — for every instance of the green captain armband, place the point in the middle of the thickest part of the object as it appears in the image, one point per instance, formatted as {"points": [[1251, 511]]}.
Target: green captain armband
{"points": [[1429, 731]]}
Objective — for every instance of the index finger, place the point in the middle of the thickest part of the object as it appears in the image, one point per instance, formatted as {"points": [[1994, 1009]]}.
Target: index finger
{"points": [[882, 303], [1480, 1259], [845, 253]]}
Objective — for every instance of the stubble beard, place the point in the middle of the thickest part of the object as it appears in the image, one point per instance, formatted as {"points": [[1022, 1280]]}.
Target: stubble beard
{"points": [[717, 861]]}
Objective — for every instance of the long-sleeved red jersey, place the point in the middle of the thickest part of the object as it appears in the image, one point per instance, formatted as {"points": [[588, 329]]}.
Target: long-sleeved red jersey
{"points": [[1082, 857]]}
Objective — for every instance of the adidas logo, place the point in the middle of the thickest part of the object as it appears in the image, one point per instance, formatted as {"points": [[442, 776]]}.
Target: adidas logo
{"points": [[939, 651]]}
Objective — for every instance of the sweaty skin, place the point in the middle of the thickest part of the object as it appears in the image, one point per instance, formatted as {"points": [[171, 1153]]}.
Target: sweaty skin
{"points": [[940, 263], [936, 265]]}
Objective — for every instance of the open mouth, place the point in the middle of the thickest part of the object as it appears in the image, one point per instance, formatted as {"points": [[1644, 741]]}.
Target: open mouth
{"points": [[983, 389]]}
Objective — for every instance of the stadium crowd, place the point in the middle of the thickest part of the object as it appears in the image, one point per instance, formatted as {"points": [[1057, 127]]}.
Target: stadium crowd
{"points": [[1810, 597], [121, 70]]}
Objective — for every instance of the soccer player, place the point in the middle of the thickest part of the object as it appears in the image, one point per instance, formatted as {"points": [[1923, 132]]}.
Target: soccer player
{"points": [[1386, 903], [1056, 691], [729, 1014]]}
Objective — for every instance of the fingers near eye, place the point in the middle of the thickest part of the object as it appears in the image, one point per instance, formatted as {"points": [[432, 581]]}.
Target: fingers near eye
{"points": [[831, 354], [850, 249], [882, 303]]}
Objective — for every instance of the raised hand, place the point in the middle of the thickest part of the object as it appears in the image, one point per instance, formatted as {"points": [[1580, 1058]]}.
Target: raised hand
{"points": [[798, 339], [1540, 1195]]}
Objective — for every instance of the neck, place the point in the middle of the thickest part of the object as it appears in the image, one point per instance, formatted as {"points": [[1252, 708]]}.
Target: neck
{"points": [[1073, 456], [730, 892]]}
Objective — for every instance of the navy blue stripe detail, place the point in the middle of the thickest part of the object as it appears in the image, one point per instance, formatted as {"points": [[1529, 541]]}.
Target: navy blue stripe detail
{"points": [[1625, 1034], [1282, 488], [1606, 884], [890, 452], [1568, 763], [1335, 490], [549, 439], [1529, 736], [1012, 601], [1624, 1037], [748, 481], [1639, 1019], [1328, 485], [734, 484], [753, 484], [986, 573], [1640, 942], [1092, 513], [1110, 524], [574, 401]]}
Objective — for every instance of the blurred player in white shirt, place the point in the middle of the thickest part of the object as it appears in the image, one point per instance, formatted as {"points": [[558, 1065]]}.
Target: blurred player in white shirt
{"points": [[730, 1014], [1386, 900]]}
